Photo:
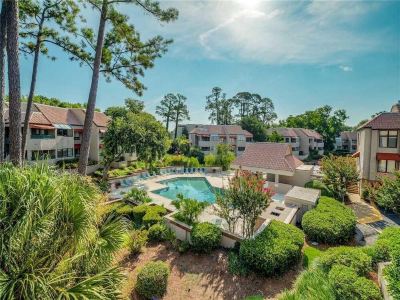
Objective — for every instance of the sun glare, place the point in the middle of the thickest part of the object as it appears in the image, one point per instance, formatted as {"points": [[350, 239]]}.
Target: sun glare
{"points": [[248, 3]]}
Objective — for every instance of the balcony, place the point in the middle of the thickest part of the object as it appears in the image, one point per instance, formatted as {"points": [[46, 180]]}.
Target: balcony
{"points": [[42, 136]]}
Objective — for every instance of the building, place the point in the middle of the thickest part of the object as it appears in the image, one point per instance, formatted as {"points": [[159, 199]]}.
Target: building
{"points": [[276, 162], [184, 129], [378, 145], [55, 133], [346, 142], [301, 140], [207, 137]]}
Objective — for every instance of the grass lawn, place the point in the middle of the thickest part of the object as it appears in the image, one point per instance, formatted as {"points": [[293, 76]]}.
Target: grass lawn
{"points": [[310, 253], [206, 276]]}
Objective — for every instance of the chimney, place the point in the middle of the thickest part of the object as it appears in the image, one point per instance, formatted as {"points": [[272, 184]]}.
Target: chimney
{"points": [[396, 107]]}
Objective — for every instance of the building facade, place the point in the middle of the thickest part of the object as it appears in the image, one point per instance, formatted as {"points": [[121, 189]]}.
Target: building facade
{"points": [[301, 140], [346, 142], [55, 133], [208, 137], [379, 145]]}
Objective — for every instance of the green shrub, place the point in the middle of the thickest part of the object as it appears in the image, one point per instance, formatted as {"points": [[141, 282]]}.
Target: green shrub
{"points": [[205, 237], [152, 280], [319, 185], [148, 215], [311, 285], [348, 285], [236, 266], [275, 250], [392, 273], [387, 241], [330, 222], [137, 240], [210, 160], [352, 257], [137, 195], [188, 209], [158, 232], [388, 194]]}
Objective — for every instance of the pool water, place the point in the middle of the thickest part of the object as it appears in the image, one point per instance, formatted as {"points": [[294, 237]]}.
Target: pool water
{"points": [[190, 187]]}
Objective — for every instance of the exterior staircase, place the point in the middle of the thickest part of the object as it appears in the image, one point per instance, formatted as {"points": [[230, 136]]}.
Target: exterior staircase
{"points": [[353, 189]]}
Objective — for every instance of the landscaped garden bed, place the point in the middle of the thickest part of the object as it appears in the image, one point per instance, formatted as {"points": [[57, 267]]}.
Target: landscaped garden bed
{"points": [[203, 276]]}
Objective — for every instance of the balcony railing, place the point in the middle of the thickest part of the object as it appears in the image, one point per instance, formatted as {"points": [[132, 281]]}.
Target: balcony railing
{"points": [[43, 136]]}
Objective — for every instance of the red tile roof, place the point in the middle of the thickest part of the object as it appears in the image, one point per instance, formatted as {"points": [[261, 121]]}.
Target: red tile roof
{"points": [[221, 130], [100, 119], [310, 133], [285, 132], [348, 135], [269, 156], [386, 120], [58, 115]]}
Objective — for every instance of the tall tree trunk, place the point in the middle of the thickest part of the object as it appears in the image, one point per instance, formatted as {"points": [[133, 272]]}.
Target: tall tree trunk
{"points": [[14, 86], [167, 123], [2, 77], [176, 123], [32, 87], [83, 158]]}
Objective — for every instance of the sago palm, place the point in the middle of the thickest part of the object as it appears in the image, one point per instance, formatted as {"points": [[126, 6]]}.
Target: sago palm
{"points": [[54, 243]]}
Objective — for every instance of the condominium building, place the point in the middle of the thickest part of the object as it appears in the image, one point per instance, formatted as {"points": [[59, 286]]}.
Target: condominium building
{"points": [[378, 145], [207, 137], [301, 140], [55, 133], [346, 142]]}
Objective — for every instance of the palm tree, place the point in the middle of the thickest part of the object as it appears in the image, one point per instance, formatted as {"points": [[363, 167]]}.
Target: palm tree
{"points": [[55, 242], [14, 86]]}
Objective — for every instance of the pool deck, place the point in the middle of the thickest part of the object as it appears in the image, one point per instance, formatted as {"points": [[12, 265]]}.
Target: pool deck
{"points": [[218, 180]]}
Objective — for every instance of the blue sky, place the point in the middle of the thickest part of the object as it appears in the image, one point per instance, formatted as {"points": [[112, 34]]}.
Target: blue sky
{"points": [[301, 54]]}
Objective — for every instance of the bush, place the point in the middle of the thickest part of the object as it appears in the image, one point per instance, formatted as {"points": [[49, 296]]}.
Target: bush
{"points": [[387, 242], [348, 285], [310, 254], [311, 285], [236, 266], [137, 195], [152, 280], [181, 160], [210, 160], [319, 185], [148, 215], [388, 195], [188, 209], [274, 250], [352, 257], [137, 240], [205, 237], [158, 232], [392, 274], [330, 222]]}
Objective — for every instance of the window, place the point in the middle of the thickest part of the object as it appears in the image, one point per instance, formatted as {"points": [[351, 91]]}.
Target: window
{"points": [[43, 154], [287, 140], [275, 214], [42, 134], [77, 136], [295, 148], [293, 140], [205, 138], [66, 152], [241, 148], [205, 148], [241, 138], [310, 140], [215, 137], [249, 139], [388, 138], [386, 166], [64, 132]]}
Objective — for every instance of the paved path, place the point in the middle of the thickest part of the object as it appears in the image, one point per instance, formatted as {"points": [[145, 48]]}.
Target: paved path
{"points": [[366, 213]]}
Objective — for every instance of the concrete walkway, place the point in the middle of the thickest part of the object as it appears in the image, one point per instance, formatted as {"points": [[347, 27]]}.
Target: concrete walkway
{"points": [[366, 213]]}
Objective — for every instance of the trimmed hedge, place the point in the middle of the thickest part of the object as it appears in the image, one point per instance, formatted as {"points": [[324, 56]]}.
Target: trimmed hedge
{"points": [[152, 280], [351, 257], [330, 222], [205, 237], [148, 214], [275, 250], [387, 242], [392, 274], [348, 285]]}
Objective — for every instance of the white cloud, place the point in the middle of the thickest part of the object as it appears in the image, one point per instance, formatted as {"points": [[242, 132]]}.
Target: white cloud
{"points": [[272, 32], [345, 68]]}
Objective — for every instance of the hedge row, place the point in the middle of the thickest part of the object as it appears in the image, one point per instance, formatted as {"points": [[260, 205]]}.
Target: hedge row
{"points": [[330, 222], [274, 250], [152, 280], [205, 237]]}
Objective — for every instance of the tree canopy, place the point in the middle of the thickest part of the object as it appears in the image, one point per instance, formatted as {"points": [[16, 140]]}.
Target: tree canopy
{"points": [[324, 120]]}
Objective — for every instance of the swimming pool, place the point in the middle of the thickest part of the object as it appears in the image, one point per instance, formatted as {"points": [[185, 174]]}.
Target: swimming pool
{"points": [[190, 187]]}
